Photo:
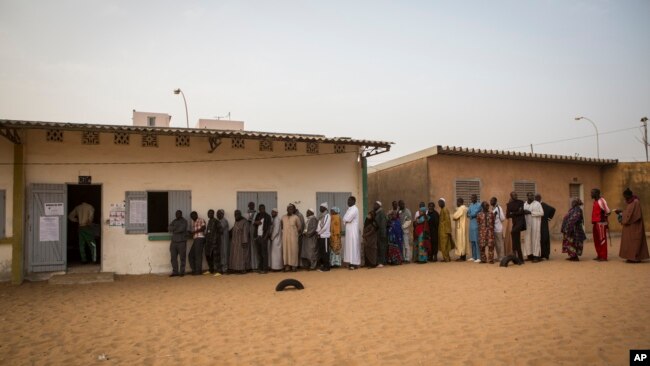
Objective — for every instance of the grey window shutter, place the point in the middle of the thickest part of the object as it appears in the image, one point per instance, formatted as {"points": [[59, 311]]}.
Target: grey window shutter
{"points": [[268, 199], [242, 201], [465, 188], [522, 188], [132, 228], [181, 200]]}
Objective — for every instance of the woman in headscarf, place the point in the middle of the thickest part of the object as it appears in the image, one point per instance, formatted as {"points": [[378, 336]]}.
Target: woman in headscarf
{"points": [[395, 239], [335, 237], [370, 239], [422, 235], [573, 231]]}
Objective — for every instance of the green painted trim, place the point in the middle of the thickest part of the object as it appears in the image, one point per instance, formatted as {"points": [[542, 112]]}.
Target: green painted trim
{"points": [[17, 253], [159, 237], [364, 185], [7, 241]]}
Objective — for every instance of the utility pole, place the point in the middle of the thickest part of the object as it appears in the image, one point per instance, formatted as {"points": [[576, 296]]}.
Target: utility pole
{"points": [[644, 120]]}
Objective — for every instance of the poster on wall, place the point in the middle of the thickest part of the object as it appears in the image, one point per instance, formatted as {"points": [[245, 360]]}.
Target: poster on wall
{"points": [[117, 215], [137, 212], [54, 209], [48, 228]]}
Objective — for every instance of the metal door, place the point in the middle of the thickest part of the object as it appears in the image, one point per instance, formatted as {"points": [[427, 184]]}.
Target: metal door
{"points": [[47, 228]]}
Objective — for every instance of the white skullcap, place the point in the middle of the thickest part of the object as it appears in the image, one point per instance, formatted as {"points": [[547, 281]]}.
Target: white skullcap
{"points": [[275, 209], [324, 204], [379, 203], [442, 199]]}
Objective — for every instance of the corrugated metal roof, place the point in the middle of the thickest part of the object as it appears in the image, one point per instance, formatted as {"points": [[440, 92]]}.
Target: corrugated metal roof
{"points": [[255, 135]]}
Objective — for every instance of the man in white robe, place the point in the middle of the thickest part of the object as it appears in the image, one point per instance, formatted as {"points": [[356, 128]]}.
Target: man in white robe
{"points": [[532, 248], [352, 248], [275, 253], [462, 223]]}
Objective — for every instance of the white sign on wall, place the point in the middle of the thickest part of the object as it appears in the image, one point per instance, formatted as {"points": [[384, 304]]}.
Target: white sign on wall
{"points": [[48, 229], [54, 209]]}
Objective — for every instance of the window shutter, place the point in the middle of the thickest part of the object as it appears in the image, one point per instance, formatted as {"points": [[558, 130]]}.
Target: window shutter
{"points": [[136, 227], [180, 200], [523, 187], [465, 188]]}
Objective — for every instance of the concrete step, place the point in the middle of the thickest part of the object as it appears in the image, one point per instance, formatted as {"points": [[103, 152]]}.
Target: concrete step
{"points": [[81, 278]]}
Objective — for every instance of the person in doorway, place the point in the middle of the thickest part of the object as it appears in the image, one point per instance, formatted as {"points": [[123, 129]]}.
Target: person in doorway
{"points": [[515, 212], [83, 214], [196, 251], [309, 254], [472, 212], [444, 231], [634, 246], [499, 218], [290, 248], [263, 224], [213, 245], [461, 218], [240, 248], [276, 242], [178, 245], [549, 212], [323, 230], [225, 240], [352, 245], [534, 212], [599, 215]]}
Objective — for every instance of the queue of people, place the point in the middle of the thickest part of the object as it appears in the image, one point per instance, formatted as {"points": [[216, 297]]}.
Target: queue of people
{"points": [[483, 233]]}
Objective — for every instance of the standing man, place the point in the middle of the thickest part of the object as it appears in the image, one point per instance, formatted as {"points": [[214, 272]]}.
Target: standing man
{"points": [[634, 246], [290, 248], [196, 252], [473, 211], [434, 221], [225, 240], [178, 229], [406, 219], [499, 218], [515, 212], [599, 215], [382, 234], [352, 245], [462, 241], [213, 245], [394, 209], [240, 245], [444, 231], [301, 218], [262, 223], [276, 242], [84, 214], [549, 212], [250, 216], [323, 231], [534, 213], [310, 242]]}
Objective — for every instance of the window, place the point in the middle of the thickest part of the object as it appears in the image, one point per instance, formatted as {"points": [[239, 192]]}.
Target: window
{"points": [[268, 199], [151, 212], [575, 191], [523, 187], [335, 199], [151, 121], [465, 188]]}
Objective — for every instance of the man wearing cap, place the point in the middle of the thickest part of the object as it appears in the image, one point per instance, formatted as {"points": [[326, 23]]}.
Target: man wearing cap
{"points": [[276, 242], [382, 234], [309, 253], [323, 231], [291, 226]]}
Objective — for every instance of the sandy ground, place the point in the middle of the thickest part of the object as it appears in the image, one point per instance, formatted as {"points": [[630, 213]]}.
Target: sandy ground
{"points": [[555, 312]]}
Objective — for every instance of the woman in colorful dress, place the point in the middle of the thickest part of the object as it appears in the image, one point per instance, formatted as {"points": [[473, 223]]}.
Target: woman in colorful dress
{"points": [[370, 229], [395, 239], [335, 237], [422, 236], [573, 231], [485, 220]]}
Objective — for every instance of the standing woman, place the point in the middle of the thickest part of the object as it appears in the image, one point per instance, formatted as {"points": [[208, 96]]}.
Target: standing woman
{"points": [[573, 231], [335, 238], [370, 229], [485, 221], [395, 239], [422, 236]]}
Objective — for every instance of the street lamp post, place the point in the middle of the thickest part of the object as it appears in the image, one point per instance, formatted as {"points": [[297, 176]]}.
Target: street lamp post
{"points": [[644, 121], [187, 118], [596, 128]]}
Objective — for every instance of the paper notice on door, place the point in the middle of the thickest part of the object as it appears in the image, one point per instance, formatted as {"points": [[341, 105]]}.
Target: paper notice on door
{"points": [[48, 229], [54, 209], [137, 212]]}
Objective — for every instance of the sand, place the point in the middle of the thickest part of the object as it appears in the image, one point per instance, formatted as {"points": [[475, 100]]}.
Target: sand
{"points": [[555, 312]]}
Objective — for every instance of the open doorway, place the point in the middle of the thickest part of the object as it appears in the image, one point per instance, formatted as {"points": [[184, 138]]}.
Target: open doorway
{"points": [[91, 194]]}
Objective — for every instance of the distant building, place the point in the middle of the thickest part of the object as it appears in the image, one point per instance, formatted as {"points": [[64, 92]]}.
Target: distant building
{"points": [[145, 172]]}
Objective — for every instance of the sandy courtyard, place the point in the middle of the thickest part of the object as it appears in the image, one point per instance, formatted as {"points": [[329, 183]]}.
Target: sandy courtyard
{"points": [[555, 312]]}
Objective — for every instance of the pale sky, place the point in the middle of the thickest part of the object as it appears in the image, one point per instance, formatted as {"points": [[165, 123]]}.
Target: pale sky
{"points": [[484, 74]]}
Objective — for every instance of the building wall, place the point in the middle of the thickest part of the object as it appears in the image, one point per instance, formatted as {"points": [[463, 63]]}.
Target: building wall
{"points": [[408, 182], [497, 177], [142, 119], [6, 184], [296, 176], [617, 178]]}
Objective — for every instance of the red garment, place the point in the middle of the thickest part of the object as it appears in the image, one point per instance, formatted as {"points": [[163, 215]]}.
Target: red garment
{"points": [[600, 239], [599, 211]]}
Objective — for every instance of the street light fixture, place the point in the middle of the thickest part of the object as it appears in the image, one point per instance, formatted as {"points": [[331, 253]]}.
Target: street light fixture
{"points": [[187, 118], [596, 128]]}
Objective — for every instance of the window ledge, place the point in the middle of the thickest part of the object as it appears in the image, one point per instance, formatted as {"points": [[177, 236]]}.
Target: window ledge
{"points": [[159, 236]]}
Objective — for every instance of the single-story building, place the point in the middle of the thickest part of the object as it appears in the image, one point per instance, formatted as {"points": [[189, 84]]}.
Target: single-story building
{"points": [[137, 176], [453, 172]]}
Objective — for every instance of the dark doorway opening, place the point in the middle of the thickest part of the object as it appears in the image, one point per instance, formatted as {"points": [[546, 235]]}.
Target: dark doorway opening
{"points": [[77, 194]]}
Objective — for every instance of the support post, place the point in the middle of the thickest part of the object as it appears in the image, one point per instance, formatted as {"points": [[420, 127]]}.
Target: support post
{"points": [[17, 246]]}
